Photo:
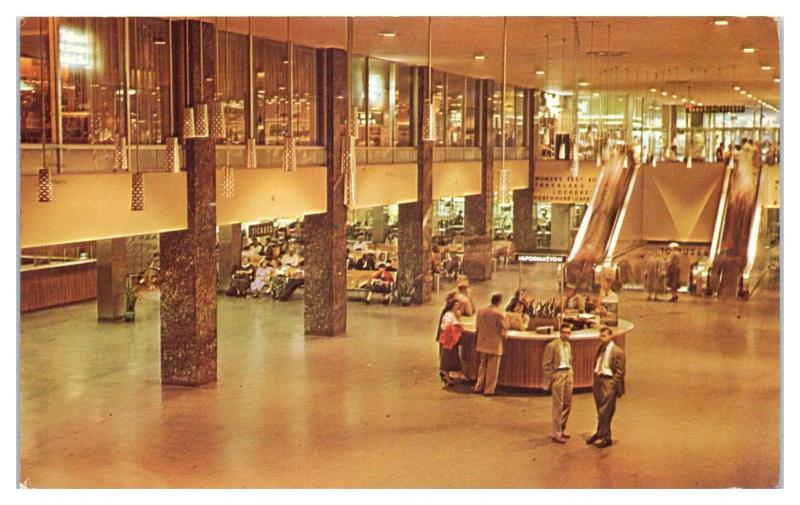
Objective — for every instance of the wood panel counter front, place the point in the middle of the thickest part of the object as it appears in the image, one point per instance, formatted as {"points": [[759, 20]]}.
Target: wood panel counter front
{"points": [[521, 366], [57, 283]]}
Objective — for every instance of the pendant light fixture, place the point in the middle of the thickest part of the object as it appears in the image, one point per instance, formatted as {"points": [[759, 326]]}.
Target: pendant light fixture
{"points": [[348, 154], [689, 139], [562, 149], [504, 182], [45, 183], [546, 132], [216, 113], [228, 177], [289, 155], [137, 179], [121, 140], [654, 147], [591, 134], [201, 109], [731, 163], [428, 114], [624, 113], [606, 144], [576, 42], [188, 110], [251, 161], [172, 160]]}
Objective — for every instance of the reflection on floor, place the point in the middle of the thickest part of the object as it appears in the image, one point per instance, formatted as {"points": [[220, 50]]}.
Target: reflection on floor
{"points": [[702, 407]]}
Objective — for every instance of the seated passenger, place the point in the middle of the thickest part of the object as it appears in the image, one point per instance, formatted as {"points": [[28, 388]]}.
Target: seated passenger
{"points": [[241, 278], [381, 282]]}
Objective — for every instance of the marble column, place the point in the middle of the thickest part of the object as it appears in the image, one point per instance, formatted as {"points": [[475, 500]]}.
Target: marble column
{"points": [[325, 291], [524, 216], [379, 218], [189, 257], [560, 227], [112, 271], [230, 253], [414, 218], [478, 209]]}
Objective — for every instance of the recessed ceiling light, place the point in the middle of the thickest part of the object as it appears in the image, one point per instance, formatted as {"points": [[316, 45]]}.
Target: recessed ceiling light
{"points": [[700, 104], [653, 90], [583, 84], [387, 34], [721, 22], [479, 56], [748, 49], [777, 79], [674, 96], [683, 100], [743, 92], [160, 42], [692, 102], [737, 87], [765, 66], [596, 93], [749, 95], [663, 93], [539, 71]]}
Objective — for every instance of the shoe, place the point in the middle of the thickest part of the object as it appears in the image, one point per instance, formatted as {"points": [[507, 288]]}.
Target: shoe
{"points": [[489, 394], [558, 440], [446, 381], [649, 298], [606, 442], [591, 439], [477, 391], [657, 300], [564, 435], [674, 299]]}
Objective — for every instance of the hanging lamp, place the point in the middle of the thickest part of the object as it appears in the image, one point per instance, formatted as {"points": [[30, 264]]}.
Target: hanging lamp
{"points": [[731, 162], [546, 133], [216, 112], [428, 114], [251, 160], [348, 154], [228, 177], [120, 139], [45, 181], [201, 109], [576, 41], [137, 178], [590, 128], [172, 160], [562, 149], [689, 139], [289, 154], [504, 176], [188, 110]]}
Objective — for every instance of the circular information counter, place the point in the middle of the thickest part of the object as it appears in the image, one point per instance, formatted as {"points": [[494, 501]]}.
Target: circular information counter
{"points": [[521, 365]]}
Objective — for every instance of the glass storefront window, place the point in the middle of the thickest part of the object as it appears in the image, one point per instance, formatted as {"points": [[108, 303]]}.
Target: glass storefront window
{"points": [[455, 110], [34, 85], [92, 85], [233, 85], [439, 106], [402, 106], [149, 80], [305, 95], [378, 102], [519, 115], [470, 103], [360, 97], [271, 86]]}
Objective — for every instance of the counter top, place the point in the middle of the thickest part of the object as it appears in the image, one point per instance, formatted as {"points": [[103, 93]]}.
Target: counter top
{"points": [[624, 326], [56, 264]]}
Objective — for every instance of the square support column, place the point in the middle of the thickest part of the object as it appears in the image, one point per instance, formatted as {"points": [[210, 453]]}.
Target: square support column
{"points": [[189, 257], [325, 235], [414, 218], [524, 218], [479, 209], [112, 271]]}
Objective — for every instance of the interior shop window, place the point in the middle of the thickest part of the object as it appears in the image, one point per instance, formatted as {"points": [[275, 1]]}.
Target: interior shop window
{"points": [[470, 139], [305, 95], [509, 117], [149, 80], [360, 97], [379, 117], [519, 117], [496, 105], [439, 105], [455, 110], [91, 73], [402, 106], [233, 83], [34, 84], [271, 86]]}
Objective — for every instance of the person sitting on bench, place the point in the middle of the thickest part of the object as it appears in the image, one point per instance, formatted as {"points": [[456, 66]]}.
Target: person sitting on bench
{"points": [[381, 282]]}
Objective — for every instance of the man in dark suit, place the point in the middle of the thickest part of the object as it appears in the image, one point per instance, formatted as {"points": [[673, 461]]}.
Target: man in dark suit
{"points": [[558, 378], [609, 384], [491, 327]]}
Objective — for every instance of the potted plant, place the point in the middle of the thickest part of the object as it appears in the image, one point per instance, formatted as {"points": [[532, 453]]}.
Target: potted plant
{"points": [[130, 299], [406, 287]]}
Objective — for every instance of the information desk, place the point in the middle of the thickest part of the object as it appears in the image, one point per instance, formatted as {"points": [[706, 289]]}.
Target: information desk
{"points": [[521, 365], [57, 283]]}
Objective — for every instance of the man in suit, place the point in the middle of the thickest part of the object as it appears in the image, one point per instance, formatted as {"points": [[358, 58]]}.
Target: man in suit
{"points": [[491, 327], [558, 378], [609, 384]]}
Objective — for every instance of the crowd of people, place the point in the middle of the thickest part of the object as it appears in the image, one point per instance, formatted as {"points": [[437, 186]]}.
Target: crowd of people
{"points": [[492, 325], [272, 269]]}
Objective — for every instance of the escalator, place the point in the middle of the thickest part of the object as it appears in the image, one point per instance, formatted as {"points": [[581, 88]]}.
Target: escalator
{"points": [[597, 236], [735, 246]]}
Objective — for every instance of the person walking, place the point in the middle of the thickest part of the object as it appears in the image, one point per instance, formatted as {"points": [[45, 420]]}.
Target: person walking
{"points": [[609, 384], [655, 271], [449, 339], [558, 379], [674, 271], [491, 327]]}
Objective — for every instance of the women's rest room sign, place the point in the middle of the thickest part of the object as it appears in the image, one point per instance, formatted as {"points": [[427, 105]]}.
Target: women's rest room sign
{"points": [[554, 184]]}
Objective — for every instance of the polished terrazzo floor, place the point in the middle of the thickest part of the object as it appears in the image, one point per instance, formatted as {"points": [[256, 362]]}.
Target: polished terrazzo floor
{"points": [[702, 407]]}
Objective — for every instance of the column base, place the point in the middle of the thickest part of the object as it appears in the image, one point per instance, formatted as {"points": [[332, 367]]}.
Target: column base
{"points": [[477, 263]]}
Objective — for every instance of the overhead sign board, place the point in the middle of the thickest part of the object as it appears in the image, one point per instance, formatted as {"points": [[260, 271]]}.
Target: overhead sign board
{"points": [[541, 258]]}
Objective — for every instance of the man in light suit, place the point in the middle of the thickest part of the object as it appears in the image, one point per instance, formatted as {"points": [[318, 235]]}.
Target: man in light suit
{"points": [[609, 384], [491, 327], [558, 378]]}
